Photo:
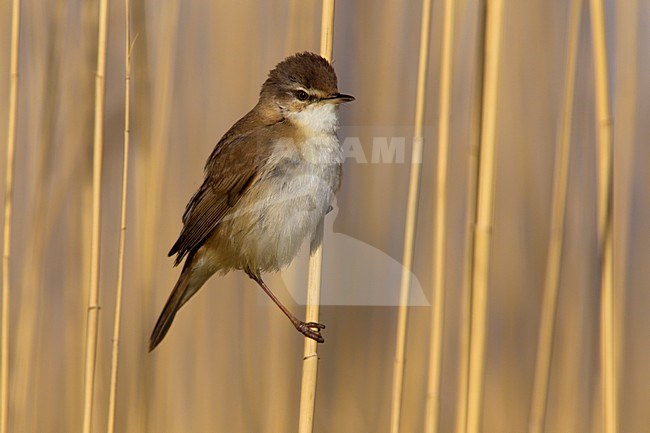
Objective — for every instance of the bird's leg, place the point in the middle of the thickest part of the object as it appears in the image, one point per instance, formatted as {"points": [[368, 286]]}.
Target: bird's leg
{"points": [[308, 329]]}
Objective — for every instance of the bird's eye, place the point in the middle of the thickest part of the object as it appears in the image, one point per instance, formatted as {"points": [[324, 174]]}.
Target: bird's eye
{"points": [[302, 95]]}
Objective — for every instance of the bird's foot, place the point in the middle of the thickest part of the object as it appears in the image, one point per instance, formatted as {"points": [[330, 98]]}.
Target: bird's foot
{"points": [[311, 330]]}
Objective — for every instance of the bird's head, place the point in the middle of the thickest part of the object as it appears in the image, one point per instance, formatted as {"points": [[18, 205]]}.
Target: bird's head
{"points": [[303, 87]]}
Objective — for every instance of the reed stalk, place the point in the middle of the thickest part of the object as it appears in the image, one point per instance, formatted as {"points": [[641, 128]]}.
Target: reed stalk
{"points": [[93, 297], [8, 208], [605, 225], [470, 205], [310, 358], [411, 217], [625, 145], [558, 210], [484, 215], [139, 393], [122, 241], [440, 227]]}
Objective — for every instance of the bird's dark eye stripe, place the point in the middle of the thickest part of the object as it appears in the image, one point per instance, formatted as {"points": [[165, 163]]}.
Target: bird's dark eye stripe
{"points": [[302, 95]]}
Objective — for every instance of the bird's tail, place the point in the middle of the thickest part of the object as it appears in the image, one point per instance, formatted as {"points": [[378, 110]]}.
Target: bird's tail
{"points": [[185, 287]]}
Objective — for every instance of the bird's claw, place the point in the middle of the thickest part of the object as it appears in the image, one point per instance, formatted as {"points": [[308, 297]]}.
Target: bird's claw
{"points": [[311, 330]]}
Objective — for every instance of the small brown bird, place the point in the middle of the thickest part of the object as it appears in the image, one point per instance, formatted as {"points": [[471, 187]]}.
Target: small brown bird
{"points": [[268, 183]]}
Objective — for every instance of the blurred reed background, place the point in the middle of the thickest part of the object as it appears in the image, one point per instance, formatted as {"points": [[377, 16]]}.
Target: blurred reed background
{"points": [[232, 362]]}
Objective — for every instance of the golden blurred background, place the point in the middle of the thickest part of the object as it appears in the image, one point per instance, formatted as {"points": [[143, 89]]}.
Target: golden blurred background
{"points": [[232, 362]]}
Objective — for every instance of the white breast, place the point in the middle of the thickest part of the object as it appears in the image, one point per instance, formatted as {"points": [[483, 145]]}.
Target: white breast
{"points": [[285, 206]]}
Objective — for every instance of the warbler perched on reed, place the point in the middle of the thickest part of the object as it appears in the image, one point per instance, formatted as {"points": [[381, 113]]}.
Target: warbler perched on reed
{"points": [[268, 183]]}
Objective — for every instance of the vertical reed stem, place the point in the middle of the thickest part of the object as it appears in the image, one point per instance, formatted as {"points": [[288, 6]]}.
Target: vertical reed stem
{"points": [[122, 241], [470, 203], [625, 146], [9, 189], [93, 299], [437, 310], [554, 253], [484, 215], [327, 29], [411, 217], [604, 137], [310, 358]]}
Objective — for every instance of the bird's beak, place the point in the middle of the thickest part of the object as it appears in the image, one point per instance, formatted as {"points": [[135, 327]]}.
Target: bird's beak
{"points": [[338, 98]]}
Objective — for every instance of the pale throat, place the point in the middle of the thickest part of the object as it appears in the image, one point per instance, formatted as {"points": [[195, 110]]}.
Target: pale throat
{"points": [[316, 119]]}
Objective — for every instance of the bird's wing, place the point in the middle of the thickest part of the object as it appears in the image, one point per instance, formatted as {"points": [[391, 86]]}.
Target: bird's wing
{"points": [[231, 170]]}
